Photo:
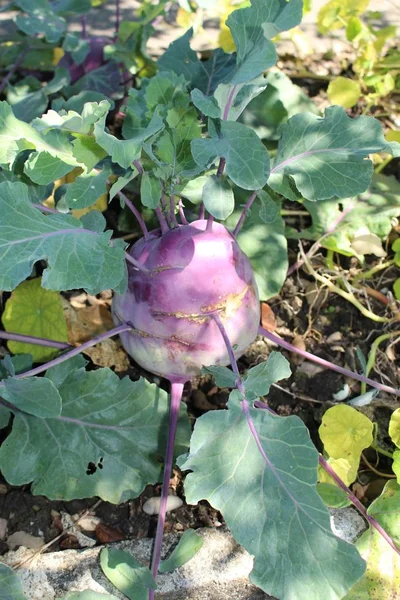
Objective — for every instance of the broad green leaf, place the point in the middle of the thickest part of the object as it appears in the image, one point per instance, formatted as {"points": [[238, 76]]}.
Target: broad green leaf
{"points": [[193, 190], [104, 80], [42, 168], [12, 365], [86, 189], [87, 151], [333, 496], [345, 432], [232, 102], [259, 379], [33, 310], [218, 197], [266, 247], [150, 190], [5, 416], [61, 79], [252, 29], [27, 236], [270, 207], [188, 546], [30, 106], [247, 160], [37, 193], [121, 182], [40, 20], [72, 121], [107, 442], [382, 577], [394, 427], [270, 502], [344, 92], [60, 372], [94, 221], [10, 584], [36, 396], [206, 104], [223, 376], [77, 102], [71, 7], [127, 574], [326, 157]]}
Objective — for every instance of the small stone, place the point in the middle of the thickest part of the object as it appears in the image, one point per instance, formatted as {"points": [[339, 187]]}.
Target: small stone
{"points": [[3, 528], [152, 506], [3, 489], [22, 538], [347, 523]]}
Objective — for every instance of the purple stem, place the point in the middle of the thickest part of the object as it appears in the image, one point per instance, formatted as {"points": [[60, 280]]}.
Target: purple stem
{"points": [[135, 263], [322, 461], [325, 363], [138, 165], [12, 70], [74, 351], [83, 25], [117, 17], [210, 221], [31, 339], [182, 213], [176, 396], [354, 500], [137, 214], [172, 210], [201, 211], [45, 209], [161, 220], [221, 167], [229, 101], [244, 213]]}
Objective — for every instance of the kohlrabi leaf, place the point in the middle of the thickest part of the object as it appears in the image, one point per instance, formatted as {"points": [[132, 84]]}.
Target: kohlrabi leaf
{"points": [[150, 190], [218, 197], [206, 104], [270, 502], [76, 257], [33, 310], [5, 415], [127, 574], [86, 189], [326, 157], [188, 546], [265, 245], [43, 168], [259, 379], [29, 106], [10, 584], [345, 432], [37, 193], [382, 577], [104, 80], [247, 160], [40, 19], [252, 29], [223, 376], [107, 441], [35, 396], [232, 101], [13, 365], [72, 7]]}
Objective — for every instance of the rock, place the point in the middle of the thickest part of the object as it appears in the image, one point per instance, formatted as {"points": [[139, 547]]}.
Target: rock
{"points": [[219, 571], [347, 523]]}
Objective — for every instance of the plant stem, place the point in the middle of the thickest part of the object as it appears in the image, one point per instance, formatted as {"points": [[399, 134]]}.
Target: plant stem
{"points": [[325, 363], [12, 70], [46, 209], [176, 396], [74, 351], [138, 165], [137, 214], [230, 99], [382, 451], [374, 470], [244, 213], [372, 354], [201, 211], [83, 25], [182, 213], [172, 210], [117, 17], [31, 339], [371, 272], [135, 263], [210, 221], [161, 219]]}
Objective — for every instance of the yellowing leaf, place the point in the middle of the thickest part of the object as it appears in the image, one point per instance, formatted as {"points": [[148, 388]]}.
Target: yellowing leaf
{"points": [[101, 204], [32, 310], [396, 288], [345, 432], [184, 18], [344, 92], [394, 427], [393, 136], [225, 39], [396, 464], [345, 468], [58, 53]]}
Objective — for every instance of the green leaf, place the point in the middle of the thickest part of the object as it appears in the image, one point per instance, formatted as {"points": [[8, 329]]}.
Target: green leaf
{"points": [[193, 190], [61, 79], [206, 104], [32, 310], [104, 80], [77, 102], [36, 396], [326, 157], [87, 151], [127, 574], [88, 595], [150, 190], [252, 29], [5, 416], [382, 577], [11, 365], [345, 432], [271, 504], [40, 20], [86, 189], [188, 546], [223, 376], [332, 496], [218, 197], [42, 168], [60, 372], [344, 92], [266, 247], [27, 236], [10, 584], [107, 441], [394, 427], [260, 378], [72, 7], [94, 221], [232, 101], [122, 182], [247, 160], [396, 288], [30, 106]]}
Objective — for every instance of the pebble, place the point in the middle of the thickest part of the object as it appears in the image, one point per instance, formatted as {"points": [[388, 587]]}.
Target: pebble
{"points": [[152, 506]]}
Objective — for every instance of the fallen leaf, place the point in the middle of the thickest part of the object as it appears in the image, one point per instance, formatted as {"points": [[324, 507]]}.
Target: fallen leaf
{"points": [[268, 320], [21, 538], [85, 323], [106, 534]]}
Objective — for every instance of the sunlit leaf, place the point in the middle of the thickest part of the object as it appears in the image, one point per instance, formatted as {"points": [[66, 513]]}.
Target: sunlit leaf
{"points": [[345, 432], [188, 546]]}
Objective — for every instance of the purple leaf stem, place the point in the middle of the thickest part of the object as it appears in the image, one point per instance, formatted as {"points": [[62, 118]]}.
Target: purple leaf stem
{"points": [[325, 363], [12, 70], [84, 28], [182, 213], [117, 17], [176, 396], [137, 214], [231, 97], [221, 167], [74, 351], [201, 211], [210, 221], [322, 461], [46, 209], [138, 165], [172, 210], [135, 263], [31, 339], [161, 220], [244, 213]]}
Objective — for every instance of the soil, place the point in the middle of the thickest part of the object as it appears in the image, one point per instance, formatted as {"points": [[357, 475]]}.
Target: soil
{"points": [[335, 330]]}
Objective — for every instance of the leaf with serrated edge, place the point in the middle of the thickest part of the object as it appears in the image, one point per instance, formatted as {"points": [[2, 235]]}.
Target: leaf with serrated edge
{"points": [[273, 499], [325, 157], [260, 378], [223, 376], [107, 441], [10, 584], [36, 396], [86, 189]]}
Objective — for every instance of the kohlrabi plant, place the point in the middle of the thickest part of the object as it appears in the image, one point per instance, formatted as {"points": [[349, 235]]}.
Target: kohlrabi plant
{"points": [[186, 299]]}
